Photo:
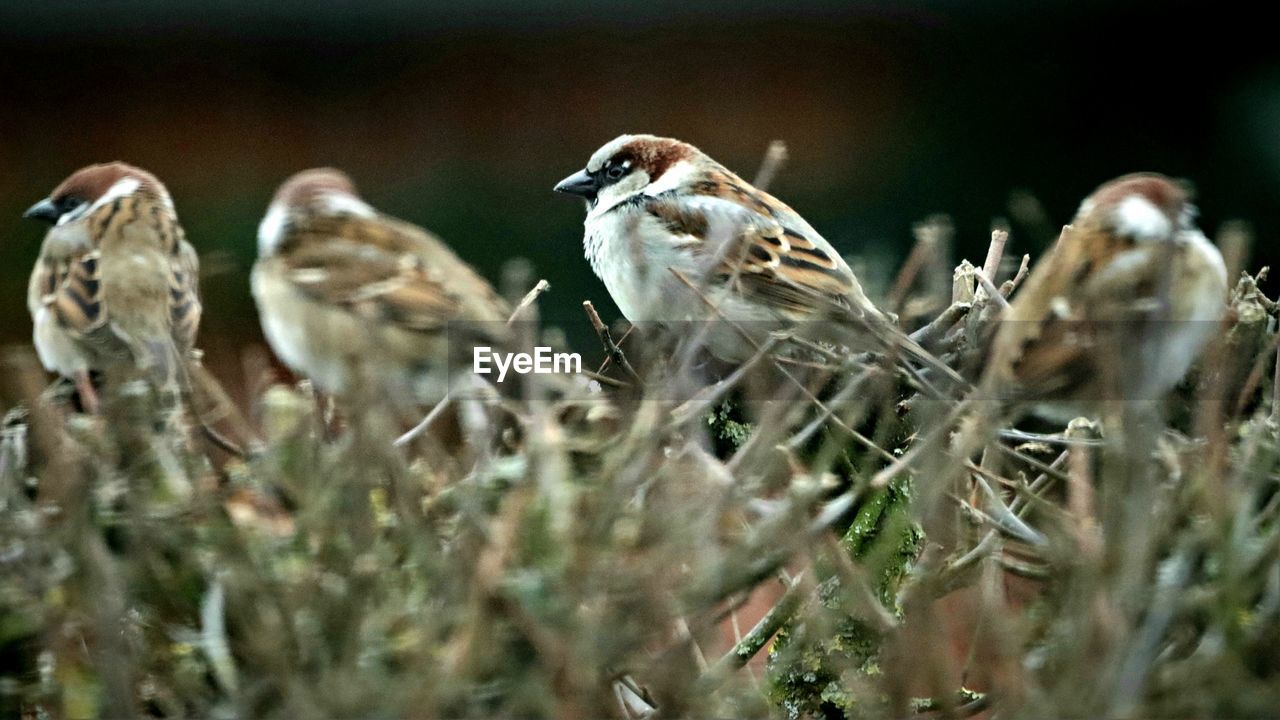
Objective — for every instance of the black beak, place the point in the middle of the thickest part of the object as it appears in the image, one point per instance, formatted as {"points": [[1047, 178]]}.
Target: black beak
{"points": [[44, 210], [580, 183]]}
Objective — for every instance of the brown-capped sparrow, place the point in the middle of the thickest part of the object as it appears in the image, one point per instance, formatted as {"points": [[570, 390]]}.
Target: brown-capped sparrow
{"points": [[662, 216], [116, 280], [343, 289], [1120, 308]]}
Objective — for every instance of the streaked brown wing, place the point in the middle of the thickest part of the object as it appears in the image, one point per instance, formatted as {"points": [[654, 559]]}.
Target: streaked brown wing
{"points": [[1050, 337], [184, 296], [390, 270], [73, 289], [767, 257], [371, 282]]}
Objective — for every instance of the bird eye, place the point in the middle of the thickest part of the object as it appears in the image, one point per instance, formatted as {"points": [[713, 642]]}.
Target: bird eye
{"points": [[69, 203], [616, 171]]}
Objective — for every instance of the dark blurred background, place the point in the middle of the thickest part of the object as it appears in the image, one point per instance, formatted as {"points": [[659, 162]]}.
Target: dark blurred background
{"points": [[461, 116]]}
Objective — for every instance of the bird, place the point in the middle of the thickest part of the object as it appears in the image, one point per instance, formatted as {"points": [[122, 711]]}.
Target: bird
{"points": [[677, 237], [347, 294], [116, 282], [1119, 309]]}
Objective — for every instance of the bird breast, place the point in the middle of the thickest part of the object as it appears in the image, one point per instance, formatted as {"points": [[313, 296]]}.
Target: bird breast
{"points": [[633, 254]]}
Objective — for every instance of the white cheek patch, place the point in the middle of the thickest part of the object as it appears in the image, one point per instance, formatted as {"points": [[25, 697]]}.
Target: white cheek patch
{"points": [[71, 215], [611, 195], [1137, 217], [270, 229]]}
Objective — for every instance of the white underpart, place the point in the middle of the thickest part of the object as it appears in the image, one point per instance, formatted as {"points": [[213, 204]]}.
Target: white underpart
{"points": [[271, 229], [55, 348], [1201, 246], [1138, 218], [1197, 311], [121, 188], [633, 253]]}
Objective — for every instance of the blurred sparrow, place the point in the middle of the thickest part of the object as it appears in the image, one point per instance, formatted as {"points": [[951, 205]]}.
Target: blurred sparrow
{"points": [[1120, 308], [115, 282], [660, 213], [341, 287]]}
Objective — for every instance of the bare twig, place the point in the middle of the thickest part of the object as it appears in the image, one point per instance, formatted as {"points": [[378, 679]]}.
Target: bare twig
{"points": [[991, 291], [774, 158], [995, 253], [710, 395], [1008, 286], [425, 423], [938, 327], [966, 704], [611, 349], [1048, 438], [759, 635], [921, 253], [528, 299], [1275, 391], [1080, 496]]}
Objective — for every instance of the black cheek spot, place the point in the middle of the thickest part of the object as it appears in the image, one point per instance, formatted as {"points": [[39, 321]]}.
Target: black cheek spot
{"points": [[88, 308]]}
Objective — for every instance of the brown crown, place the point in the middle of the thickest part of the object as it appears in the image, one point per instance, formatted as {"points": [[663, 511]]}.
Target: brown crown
{"points": [[1166, 194], [654, 154], [307, 185], [92, 182]]}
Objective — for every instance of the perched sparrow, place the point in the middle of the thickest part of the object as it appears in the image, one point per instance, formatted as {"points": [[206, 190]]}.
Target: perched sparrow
{"points": [[1119, 309], [116, 279], [661, 215], [341, 287]]}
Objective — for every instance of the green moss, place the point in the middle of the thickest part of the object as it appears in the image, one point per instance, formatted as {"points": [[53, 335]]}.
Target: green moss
{"points": [[729, 431], [819, 662]]}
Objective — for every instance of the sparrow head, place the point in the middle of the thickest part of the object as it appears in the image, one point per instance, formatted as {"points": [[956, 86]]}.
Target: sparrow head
{"points": [[632, 164], [315, 188], [1142, 206], [95, 186], [319, 191]]}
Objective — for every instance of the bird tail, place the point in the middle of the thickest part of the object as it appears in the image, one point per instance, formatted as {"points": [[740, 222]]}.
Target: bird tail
{"points": [[183, 383], [204, 395]]}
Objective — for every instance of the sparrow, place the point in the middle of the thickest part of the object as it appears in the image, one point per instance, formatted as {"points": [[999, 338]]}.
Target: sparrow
{"points": [[1120, 308], [341, 287], [115, 284], [662, 215]]}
